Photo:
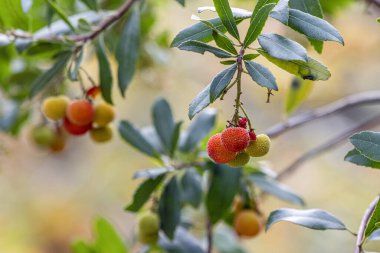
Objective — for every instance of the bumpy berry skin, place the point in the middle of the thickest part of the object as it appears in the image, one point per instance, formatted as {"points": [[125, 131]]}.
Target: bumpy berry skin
{"points": [[54, 108], [240, 160], [104, 114], [247, 224], [235, 139], [101, 134], [243, 122], [80, 112], [217, 152], [42, 136], [148, 228], [259, 147], [74, 129]]}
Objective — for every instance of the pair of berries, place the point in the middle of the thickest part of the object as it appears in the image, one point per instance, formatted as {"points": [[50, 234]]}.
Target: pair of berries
{"points": [[46, 137], [235, 146], [80, 116], [148, 228]]}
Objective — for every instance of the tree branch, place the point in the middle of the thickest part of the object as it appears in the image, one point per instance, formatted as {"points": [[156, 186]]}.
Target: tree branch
{"points": [[365, 98], [327, 146]]}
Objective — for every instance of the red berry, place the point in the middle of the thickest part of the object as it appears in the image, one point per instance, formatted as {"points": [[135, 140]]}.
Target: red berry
{"points": [[217, 152], [243, 122], [235, 139], [252, 135], [93, 91], [74, 129]]}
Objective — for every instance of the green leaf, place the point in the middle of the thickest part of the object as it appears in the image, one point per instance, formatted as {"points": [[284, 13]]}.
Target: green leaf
{"points": [[143, 193], [131, 135], [221, 81], [181, 2], [297, 93], [257, 24], [175, 138], [191, 184], [276, 189], [199, 128], [313, 219], [105, 74], [75, 65], [261, 3], [91, 4], [163, 122], [368, 144], [152, 172], [107, 239], [228, 62], [225, 14], [355, 157], [249, 57], [261, 75], [184, 242], [282, 48], [224, 184], [375, 218], [313, 27], [82, 247], [127, 52], [200, 47], [226, 241], [281, 12], [61, 14], [169, 208], [42, 81], [201, 101]]}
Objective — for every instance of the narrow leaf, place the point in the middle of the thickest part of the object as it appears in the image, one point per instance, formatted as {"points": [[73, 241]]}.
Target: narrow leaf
{"points": [[127, 52], [261, 3], [200, 47], [225, 13], [175, 138], [313, 219], [163, 122], [374, 220], [107, 238], [105, 74], [61, 14], [201, 101], [75, 65], [221, 81], [261, 75], [368, 144], [355, 157], [281, 12], [249, 57]]}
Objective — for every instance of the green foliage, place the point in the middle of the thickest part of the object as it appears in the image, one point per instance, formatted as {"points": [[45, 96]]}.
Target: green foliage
{"points": [[191, 184], [105, 75], [373, 221], [298, 91], [261, 75], [225, 14], [220, 82], [354, 156], [368, 144]]}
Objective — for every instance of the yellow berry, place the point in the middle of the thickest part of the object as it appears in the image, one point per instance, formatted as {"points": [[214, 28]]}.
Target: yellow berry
{"points": [[101, 134], [247, 224], [240, 160], [104, 114], [259, 147], [54, 108]]}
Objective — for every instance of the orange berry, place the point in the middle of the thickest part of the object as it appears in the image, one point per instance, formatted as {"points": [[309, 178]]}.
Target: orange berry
{"points": [[74, 129], [59, 142], [235, 139], [247, 223], [80, 112], [217, 152]]}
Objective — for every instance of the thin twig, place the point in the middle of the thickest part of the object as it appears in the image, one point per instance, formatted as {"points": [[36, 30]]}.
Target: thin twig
{"points": [[209, 236], [239, 61], [365, 98], [363, 225]]}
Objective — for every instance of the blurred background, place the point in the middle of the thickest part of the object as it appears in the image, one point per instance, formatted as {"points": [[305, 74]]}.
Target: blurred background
{"points": [[48, 200]]}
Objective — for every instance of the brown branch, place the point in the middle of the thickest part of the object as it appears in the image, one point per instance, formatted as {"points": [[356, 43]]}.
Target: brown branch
{"points": [[363, 225], [327, 146], [365, 98]]}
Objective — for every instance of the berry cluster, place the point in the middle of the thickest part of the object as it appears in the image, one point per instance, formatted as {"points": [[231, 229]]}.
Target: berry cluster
{"points": [[235, 145]]}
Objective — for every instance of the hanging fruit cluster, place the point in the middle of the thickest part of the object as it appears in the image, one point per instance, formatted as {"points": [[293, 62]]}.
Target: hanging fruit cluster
{"points": [[236, 145]]}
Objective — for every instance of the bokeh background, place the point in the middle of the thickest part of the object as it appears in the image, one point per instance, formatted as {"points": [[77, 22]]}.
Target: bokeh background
{"points": [[47, 201]]}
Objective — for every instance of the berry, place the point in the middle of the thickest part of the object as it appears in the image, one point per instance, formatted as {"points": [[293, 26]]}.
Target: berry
{"points": [[240, 160], [252, 135], [74, 129], [59, 143], [217, 152], [54, 108], [42, 136], [93, 91], [247, 224], [101, 134], [235, 139], [259, 147], [148, 228], [104, 114], [80, 112], [243, 122]]}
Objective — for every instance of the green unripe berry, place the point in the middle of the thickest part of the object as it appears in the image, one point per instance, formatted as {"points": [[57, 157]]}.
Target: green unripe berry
{"points": [[148, 239], [240, 160], [43, 136], [101, 134], [149, 223], [54, 108], [259, 147]]}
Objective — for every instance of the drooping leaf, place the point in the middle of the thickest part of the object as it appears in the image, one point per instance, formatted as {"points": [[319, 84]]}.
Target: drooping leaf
{"points": [[200, 47], [191, 184], [374, 219], [261, 75], [368, 144], [201, 101], [224, 184], [355, 157], [170, 208], [313, 219], [60, 13], [297, 93], [143, 193], [131, 135], [163, 122], [200, 127], [127, 52], [276, 189], [221, 81], [75, 66], [257, 24], [107, 239], [225, 14], [183, 242], [105, 74], [282, 48], [43, 80]]}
